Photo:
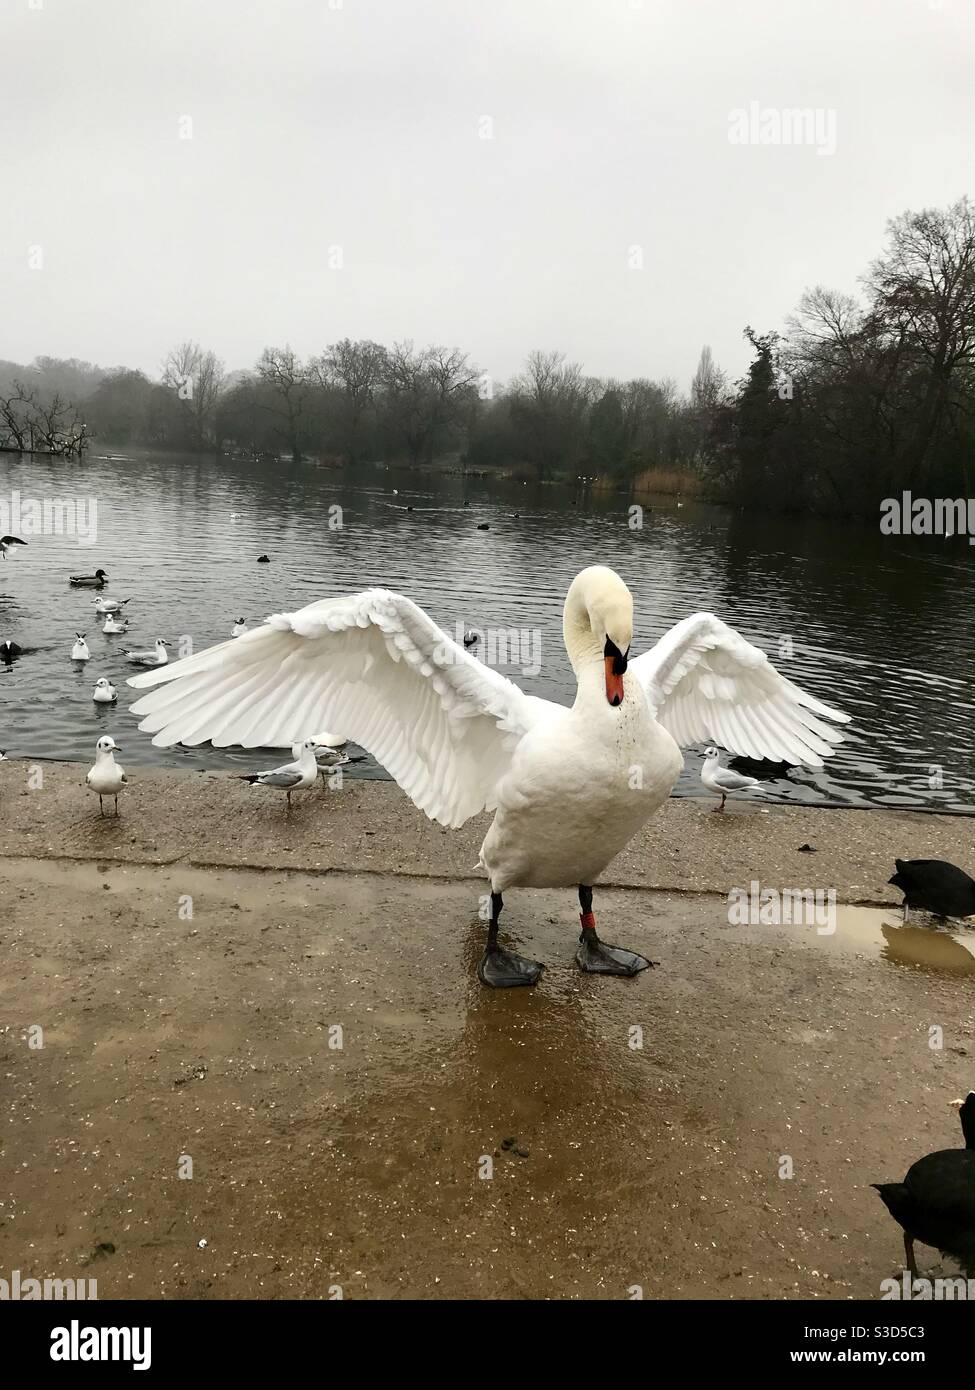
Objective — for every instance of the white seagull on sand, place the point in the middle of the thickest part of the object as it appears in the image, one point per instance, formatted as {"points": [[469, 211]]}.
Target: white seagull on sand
{"points": [[460, 738], [156, 657], [722, 780], [106, 777], [290, 777]]}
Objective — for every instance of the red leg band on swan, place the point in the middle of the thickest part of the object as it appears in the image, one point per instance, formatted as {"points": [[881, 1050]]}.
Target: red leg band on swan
{"points": [[588, 920]]}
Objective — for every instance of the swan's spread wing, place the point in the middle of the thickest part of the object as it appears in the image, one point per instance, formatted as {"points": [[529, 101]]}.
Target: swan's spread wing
{"points": [[706, 684], [373, 665]]}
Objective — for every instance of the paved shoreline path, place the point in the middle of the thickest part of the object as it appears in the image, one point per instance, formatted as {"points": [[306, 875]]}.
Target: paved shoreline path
{"points": [[190, 963]]}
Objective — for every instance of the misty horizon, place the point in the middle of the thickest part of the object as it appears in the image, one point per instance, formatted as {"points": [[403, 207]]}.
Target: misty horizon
{"points": [[621, 183]]}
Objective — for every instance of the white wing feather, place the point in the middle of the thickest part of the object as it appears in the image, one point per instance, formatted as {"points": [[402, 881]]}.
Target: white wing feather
{"points": [[371, 664], [706, 684]]}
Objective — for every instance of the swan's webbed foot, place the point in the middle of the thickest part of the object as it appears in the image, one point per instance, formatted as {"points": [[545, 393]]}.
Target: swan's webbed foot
{"points": [[596, 958], [499, 969]]}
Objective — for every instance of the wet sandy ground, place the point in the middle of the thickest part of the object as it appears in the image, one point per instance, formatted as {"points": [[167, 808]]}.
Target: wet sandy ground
{"points": [[360, 1167]]}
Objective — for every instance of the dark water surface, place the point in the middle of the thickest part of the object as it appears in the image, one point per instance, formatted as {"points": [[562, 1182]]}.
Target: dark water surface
{"points": [[883, 627]]}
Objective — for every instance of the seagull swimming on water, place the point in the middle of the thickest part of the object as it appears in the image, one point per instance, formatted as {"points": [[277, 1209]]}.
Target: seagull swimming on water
{"points": [[106, 778], [7, 541], [721, 780], [110, 605], [80, 652], [239, 627], [104, 692], [157, 657], [290, 777], [113, 624]]}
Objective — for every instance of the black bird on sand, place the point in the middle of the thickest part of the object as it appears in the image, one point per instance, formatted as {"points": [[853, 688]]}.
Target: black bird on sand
{"points": [[935, 1203], [933, 885]]}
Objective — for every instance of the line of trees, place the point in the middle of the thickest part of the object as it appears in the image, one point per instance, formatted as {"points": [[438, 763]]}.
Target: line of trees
{"points": [[859, 398]]}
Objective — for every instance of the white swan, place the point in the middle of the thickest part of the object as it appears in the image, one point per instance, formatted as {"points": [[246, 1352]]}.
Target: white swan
{"points": [[570, 787]]}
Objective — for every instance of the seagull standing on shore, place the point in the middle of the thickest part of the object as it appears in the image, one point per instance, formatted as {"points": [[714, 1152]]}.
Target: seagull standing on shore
{"points": [[157, 657], [328, 759], [80, 652], [106, 778], [290, 777], [721, 780], [6, 542]]}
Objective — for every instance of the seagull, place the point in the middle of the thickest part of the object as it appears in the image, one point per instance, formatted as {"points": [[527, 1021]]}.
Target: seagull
{"points": [[104, 692], [156, 657], [98, 580], [6, 542], [106, 777], [328, 759], [80, 652], [238, 627], [290, 777], [110, 605], [460, 738], [113, 624], [935, 1204], [721, 780], [934, 885]]}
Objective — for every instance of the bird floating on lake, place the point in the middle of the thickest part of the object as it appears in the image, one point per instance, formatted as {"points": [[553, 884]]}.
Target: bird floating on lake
{"points": [[156, 657], [721, 780], [470, 638], [80, 652], [263, 560], [935, 1204], [239, 627], [98, 580], [106, 778], [460, 738], [6, 542], [290, 777], [114, 625], [9, 651], [483, 526], [934, 885], [104, 692], [110, 605]]}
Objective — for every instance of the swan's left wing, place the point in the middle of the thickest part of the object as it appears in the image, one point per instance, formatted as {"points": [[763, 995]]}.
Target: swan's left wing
{"points": [[706, 684], [373, 665]]}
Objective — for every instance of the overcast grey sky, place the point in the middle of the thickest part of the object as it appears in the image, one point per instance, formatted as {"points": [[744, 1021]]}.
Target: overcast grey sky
{"points": [[360, 127]]}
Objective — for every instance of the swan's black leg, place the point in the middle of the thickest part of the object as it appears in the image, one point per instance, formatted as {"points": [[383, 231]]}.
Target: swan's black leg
{"points": [[501, 969], [594, 956]]}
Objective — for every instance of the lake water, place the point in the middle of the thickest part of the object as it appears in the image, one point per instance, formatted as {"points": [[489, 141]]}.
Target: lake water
{"points": [[883, 627]]}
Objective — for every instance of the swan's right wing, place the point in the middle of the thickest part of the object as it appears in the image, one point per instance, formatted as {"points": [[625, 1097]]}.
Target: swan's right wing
{"points": [[371, 664]]}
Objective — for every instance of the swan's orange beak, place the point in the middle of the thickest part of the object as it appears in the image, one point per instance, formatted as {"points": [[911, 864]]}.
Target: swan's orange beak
{"points": [[614, 682]]}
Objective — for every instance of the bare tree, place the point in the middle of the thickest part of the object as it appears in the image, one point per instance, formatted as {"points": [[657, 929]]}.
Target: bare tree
{"points": [[356, 371], [289, 384], [196, 377]]}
